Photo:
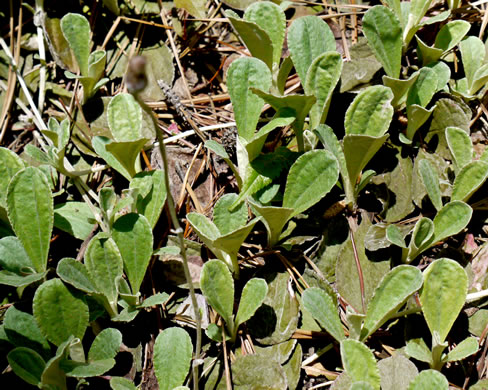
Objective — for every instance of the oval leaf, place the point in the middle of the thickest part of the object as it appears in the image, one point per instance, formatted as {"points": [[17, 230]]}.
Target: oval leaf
{"points": [[252, 298], [443, 295], [451, 219], [229, 221], [395, 288], [133, 236], [30, 211], [10, 164], [172, 357], [460, 146], [469, 179], [106, 345], [310, 178], [323, 309], [76, 30], [27, 364], [217, 285], [359, 362], [243, 74], [370, 113], [384, 33], [429, 379], [58, 312], [430, 177], [124, 116]]}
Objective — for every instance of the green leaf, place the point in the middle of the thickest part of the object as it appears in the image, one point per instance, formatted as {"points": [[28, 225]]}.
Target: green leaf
{"points": [[399, 88], [206, 229], [480, 79], [172, 357], [469, 179], [22, 331], [75, 273], [359, 362], [451, 34], [293, 367], [53, 375], [195, 8], [417, 349], [75, 218], [272, 20], [417, 116], [308, 37], [277, 319], [443, 74], [370, 113], [384, 33], [424, 87], [310, 178], [254, 37], [396, 372], [124, 116], [100, 144], [395, 288], [30, 211], [13, 256], [427, 53], [10, 164], [12, 279], [451, 219], [274, 219], [243, 74], [297, 106], [228, 221], [120, 383], [472, 54], [346, 270], [126, 154], [76, 30], [430, 178], [133, 235], [27, 364], [395, 236], [359, 150], [58, 312], [465, 348], [322, 77], [422, 238], [361, 385], [217, 285], [106, 345], [324, 310], [429, 379], [152, 194], [258, 372], [418, 9], [460, 146], [88, 369], [104, 264], [252, 298], [443, 295]]}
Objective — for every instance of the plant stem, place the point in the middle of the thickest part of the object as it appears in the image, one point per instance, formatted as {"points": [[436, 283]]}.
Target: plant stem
{"points": [[179, 232]]}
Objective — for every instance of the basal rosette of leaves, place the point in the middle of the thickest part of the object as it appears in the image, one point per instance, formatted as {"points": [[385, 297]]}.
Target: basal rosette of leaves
{"points": [[350, 221]]}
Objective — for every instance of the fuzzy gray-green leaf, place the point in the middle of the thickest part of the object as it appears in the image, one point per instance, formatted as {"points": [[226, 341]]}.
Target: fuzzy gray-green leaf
{"points": [[460, 146], [396, 372], [76, 30], [252, 297], [106, 345], [272, 20], [133, 235], [370, 113], [384, 33], [429, 379], [124, 116], [242, 74], [469, 179], [58, 312], [75, 273], [465, 348], [443, 295], [172, 357], [395, 288], [430, 179], [451, 219], [323, 309], [30, 211], [104, 264], [217, 285], [308, 37], [10, 164], [322, 77], [451, 34], [229, 221], [27, 364], [310, 178], [359, 362]]}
